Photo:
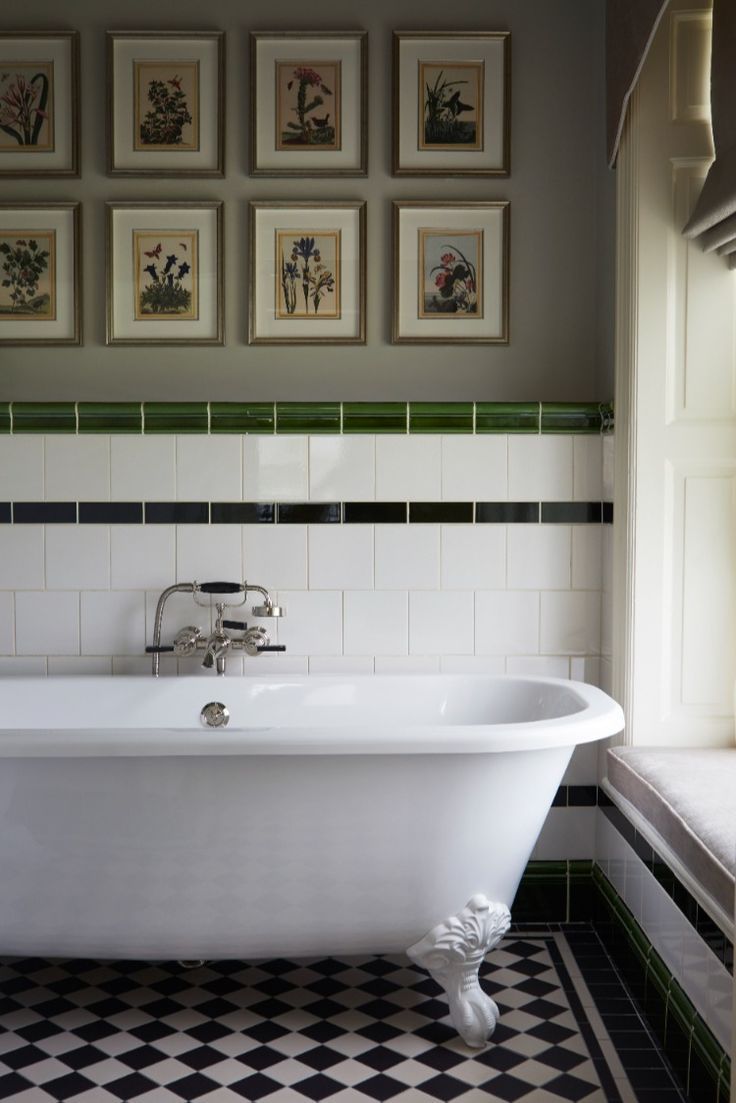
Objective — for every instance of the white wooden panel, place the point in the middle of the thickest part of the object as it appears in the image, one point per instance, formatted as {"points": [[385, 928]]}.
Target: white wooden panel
{"points": [[690, 66], [709, 555]]}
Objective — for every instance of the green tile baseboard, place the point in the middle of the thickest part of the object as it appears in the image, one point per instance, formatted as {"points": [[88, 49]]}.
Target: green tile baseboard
{"points": [[306, 417]]}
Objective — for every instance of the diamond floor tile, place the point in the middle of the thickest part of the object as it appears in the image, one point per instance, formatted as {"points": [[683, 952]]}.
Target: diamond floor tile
{"points": [[337, 1029]]}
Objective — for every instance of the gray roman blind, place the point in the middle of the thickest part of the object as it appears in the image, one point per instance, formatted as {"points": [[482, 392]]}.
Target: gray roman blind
{"points": [[713, 222], [630, 29]]}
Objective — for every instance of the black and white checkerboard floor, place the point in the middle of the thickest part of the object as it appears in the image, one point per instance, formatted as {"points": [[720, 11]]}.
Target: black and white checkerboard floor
{"points": [[347, 1029]]}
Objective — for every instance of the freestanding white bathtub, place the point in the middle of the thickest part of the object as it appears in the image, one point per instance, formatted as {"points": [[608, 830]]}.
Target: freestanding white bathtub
{"points": [[333, 815]]}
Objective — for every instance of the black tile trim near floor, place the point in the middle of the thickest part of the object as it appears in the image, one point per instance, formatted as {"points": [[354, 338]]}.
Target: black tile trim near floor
{"points": [[284, 513]]}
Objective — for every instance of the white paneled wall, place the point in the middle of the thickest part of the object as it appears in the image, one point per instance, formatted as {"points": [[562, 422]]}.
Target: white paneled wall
{"points": [[520, 598]]}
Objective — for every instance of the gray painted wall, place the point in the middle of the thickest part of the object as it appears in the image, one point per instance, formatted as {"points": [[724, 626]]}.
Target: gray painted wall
{"points": [[561, 218]]}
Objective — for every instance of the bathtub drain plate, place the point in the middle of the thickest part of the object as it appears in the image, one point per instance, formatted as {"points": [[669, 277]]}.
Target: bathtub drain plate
{"points": [[215, 715]]}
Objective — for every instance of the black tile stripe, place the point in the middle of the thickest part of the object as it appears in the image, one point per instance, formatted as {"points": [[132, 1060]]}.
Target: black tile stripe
{"points": [[607, 513], [242, 513], [441, 512], [496, 513], [571, 513], [110, 513], [374, 513], [177, 513], [44, 513], [247, 513], [309, 513]]}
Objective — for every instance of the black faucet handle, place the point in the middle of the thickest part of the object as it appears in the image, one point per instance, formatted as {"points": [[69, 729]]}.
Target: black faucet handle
{"points": [[157, 650], [220, 587], [273, 647], [239, 625]]}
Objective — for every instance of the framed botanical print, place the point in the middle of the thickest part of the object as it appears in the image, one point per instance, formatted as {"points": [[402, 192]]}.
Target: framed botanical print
{"points": [[164, 273], [39, 103], [40, 274], [451, 103], [308, 103], [166, 103], [307, 273], [451, 272]]}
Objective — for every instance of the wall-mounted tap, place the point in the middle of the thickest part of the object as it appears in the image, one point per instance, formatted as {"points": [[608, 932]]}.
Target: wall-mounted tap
{"points": [[191, 639]]}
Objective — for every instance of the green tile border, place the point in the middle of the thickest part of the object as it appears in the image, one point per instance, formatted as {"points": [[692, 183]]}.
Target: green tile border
{"points": [[306, 417], [507, 417], [110, 417], [571, 417], [440, 417], [242, 417], [374, 417], [44, 417]]}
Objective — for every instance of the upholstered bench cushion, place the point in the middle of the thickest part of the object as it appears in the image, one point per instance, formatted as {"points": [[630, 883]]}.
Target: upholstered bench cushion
{"points": [[689, 797]]}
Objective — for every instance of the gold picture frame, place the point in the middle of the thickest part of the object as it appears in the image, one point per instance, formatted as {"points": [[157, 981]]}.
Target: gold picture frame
{"points": [[451, 103], [451, 272], [309, 103], [39, 103], [40, 274], [165, 103], [164, 273], [307, 273]]}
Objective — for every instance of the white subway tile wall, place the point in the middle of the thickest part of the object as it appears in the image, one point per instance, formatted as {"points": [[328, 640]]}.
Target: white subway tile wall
{"points": [[485, 598]]}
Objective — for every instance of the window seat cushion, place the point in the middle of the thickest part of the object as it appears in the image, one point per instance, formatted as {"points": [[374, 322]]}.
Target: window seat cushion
{"points": [[689, 796]]}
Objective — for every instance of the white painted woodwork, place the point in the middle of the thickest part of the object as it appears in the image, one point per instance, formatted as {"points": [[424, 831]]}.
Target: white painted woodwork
{"points": [[675, 544]]}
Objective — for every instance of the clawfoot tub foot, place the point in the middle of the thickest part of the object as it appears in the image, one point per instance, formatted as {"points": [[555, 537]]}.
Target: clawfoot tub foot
{"points": [[452, 953]]}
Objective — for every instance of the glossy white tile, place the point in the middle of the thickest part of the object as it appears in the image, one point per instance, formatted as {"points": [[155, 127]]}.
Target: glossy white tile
{"points": [[441, 621], [570, 622], [21, 557], [77, 468], [22, 666], [46, 623], [506, 622], [538, 557], [407, 664], [78, 557], [113, 623], [583, 766], [342, 469], [540, 468], [568, 833], [275, 468], [376, 622], [472, 664], [587, 459], [263, 665], [21, 468], [407, 557], [75, 666], [142, 468], [341, 664], [313, 622], [587, 557], [209, 468], [341, 557], [206, 553], [408, 468], [275, 556], [473, 557], [180, 610], [544, 666], [142, 557], [7, 623], [474, 468]]}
